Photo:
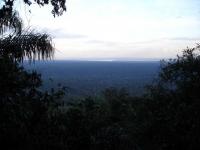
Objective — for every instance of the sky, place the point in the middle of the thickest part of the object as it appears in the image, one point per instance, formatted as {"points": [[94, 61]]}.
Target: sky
{"points": [[119, 29]]}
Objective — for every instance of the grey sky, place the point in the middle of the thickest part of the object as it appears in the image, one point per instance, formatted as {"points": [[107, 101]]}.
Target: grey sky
{"points": [[120, 28]]}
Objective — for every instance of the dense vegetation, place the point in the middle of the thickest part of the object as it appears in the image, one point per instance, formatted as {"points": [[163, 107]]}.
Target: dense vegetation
{"points": [[166, 117]]}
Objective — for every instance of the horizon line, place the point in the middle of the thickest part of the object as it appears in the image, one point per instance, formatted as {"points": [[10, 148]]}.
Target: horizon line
{"points": [[110, 59]]}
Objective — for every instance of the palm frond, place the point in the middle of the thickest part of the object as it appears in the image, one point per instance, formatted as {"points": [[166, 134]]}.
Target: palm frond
{"points": [[27, 45], [10, 20]]}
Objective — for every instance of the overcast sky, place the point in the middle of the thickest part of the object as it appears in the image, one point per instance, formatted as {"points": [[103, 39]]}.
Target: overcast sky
{"points": [[120, 29]]}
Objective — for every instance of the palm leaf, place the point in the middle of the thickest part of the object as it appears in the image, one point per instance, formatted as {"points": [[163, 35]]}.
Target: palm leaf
{"points": [[27, 45], [10, 20]]}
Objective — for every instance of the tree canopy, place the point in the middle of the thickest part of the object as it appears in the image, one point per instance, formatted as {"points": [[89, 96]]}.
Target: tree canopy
{"points": [[20, 43], [59, 6], [167, 117]]}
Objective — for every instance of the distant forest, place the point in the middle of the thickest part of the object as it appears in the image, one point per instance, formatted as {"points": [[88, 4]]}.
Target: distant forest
{"points": [[166, 117], [90, 78]]}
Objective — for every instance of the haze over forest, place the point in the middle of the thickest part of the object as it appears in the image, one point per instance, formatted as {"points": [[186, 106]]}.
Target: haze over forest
{"points": [[90, 78]]}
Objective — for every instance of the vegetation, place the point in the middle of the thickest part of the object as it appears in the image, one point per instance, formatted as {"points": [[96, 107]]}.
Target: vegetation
{"points": [[172, 105], [166, 117]]}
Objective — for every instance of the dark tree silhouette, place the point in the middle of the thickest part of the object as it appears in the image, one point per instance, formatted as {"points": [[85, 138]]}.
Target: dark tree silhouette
{"points": [[59, 6], [168, 117], [29, 117], [21, 43]]}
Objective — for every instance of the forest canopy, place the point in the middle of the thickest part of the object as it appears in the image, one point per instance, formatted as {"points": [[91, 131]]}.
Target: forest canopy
{"points": [[166, 117]]}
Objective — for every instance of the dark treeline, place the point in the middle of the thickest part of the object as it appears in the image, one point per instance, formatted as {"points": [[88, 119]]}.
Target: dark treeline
{"points": [[165, 118]]}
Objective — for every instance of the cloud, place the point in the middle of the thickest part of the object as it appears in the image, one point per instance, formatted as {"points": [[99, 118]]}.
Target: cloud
{"points": [[62, 34], [184, 39], [101, 42], [123, 29], [69, 36]]}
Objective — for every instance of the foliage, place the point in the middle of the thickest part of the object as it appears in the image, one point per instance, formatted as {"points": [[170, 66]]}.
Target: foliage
{"points": [[172, 105], [29, 117], [167, 117], [26, 45], [18, 43], [26, 113], [59, 6]]}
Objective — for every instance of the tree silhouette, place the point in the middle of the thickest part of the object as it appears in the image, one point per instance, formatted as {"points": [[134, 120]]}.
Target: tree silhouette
{"points": [[168, 117], [28, 116], [20, 43]]}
